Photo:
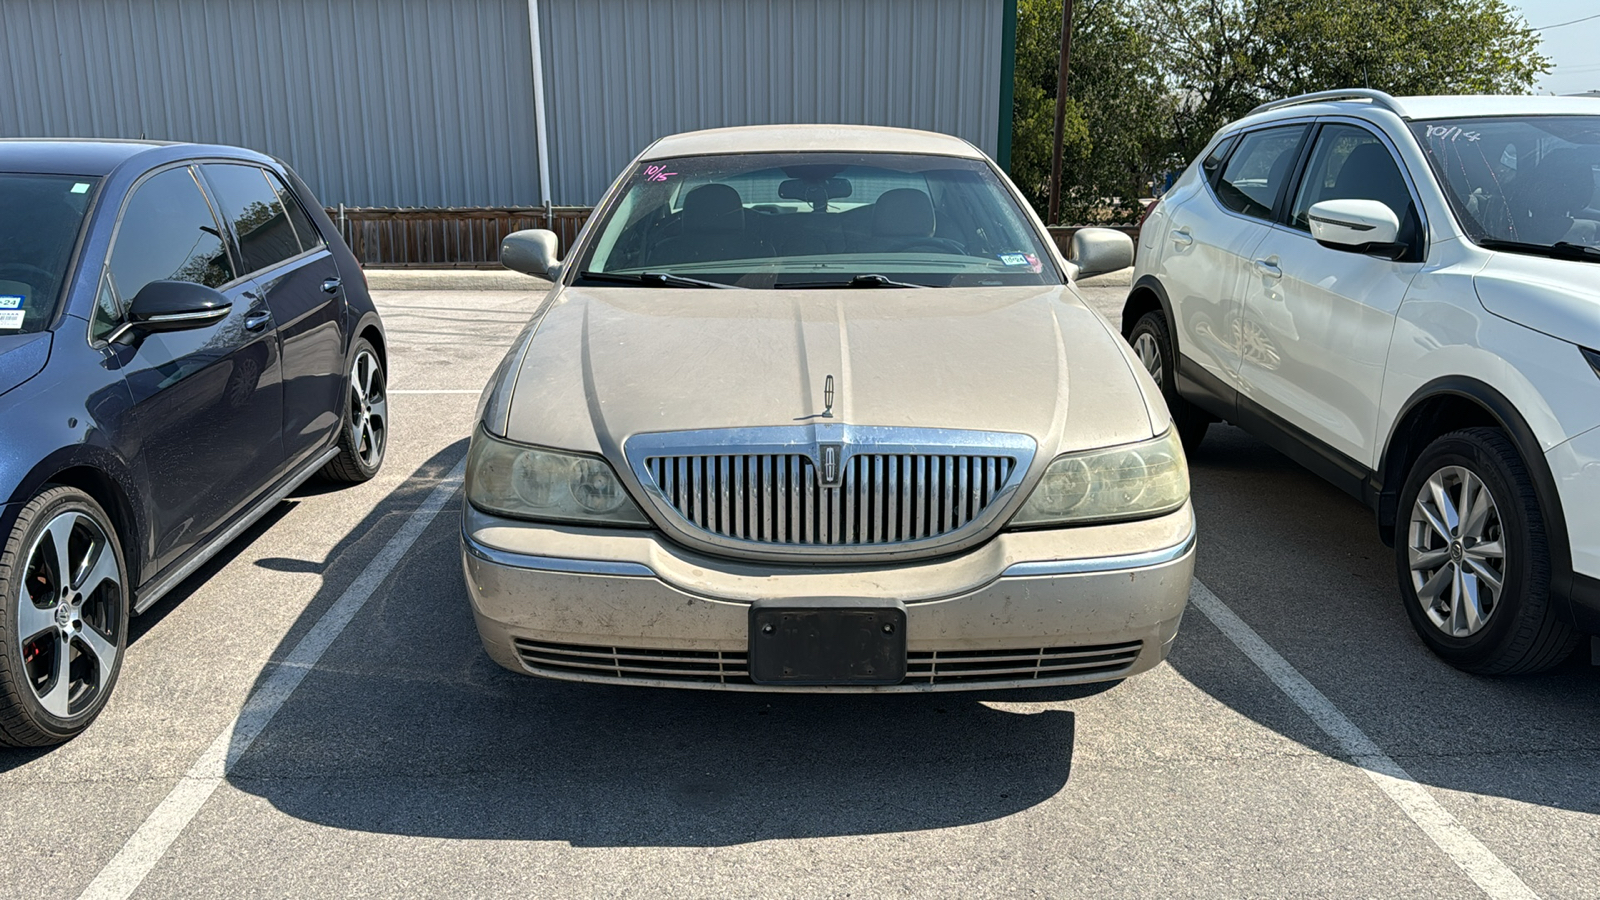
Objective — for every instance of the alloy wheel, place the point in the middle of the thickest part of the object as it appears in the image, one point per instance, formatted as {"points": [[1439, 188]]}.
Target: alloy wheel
{"points": [[369, 409], [69, 614], [1456, 551], [1149, 353]]}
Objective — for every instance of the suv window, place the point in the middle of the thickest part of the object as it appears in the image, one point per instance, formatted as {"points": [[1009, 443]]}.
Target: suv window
{"points": [[168, 233], [261, 226], [1256, 171], [1350, 163], [310, 237], [1212, 164]]}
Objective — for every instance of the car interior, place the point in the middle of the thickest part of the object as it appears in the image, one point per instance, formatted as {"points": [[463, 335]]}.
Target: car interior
{"points": [[35, 249]]}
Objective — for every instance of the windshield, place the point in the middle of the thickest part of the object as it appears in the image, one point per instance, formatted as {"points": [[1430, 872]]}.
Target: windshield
{"points": [[781, 220], [1527, 180], [39, 220]]}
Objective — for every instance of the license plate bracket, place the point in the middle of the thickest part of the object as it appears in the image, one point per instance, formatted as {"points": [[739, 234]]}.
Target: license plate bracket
{"points": [[821, 642]]}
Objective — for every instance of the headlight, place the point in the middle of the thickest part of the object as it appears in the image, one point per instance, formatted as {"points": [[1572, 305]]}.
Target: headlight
{"points": [[524, 482], [1128, 482]]}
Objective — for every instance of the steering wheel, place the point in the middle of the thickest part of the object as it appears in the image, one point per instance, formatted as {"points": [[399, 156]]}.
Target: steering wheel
{"points": [[45, 274]]}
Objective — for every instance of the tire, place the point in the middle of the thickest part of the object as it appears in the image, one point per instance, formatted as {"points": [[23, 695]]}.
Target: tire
{"points": [[364, 428], [61, 643], [1151, 339], [1445, 556]]}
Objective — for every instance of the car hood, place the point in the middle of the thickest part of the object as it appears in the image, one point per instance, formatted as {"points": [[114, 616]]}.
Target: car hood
{"points": [[603, 364], [1558, 297], [22, 356]]}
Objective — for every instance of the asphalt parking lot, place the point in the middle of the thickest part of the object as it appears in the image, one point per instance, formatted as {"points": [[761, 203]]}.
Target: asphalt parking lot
{"points": [[1299, 742]]}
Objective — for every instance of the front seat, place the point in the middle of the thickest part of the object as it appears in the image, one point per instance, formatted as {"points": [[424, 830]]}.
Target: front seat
{"points": [[1370, 173], [903, 219], [1545, 201], [713, 221]]}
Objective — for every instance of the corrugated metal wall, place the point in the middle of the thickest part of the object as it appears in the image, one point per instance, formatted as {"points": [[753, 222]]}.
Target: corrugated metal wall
{"points": [[623, 72], [374, 102], [430, 102]]}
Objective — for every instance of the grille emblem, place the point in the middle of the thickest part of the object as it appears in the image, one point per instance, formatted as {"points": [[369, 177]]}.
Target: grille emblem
{"points": [[832, 473]]}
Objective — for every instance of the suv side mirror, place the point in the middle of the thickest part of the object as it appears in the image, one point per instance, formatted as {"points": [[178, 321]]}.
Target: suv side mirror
{"points": [[532, 252], [1096, 251], [173, 306], [1356, 226]]}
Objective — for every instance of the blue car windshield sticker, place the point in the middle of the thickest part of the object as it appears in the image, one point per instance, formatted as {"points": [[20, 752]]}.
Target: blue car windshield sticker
{"points": [[10, 301], [1014, 259]]}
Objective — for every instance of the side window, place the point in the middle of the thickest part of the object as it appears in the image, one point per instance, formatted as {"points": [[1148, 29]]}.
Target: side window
{"points": [[310, 237], [1211, 166], [1257, 170], [1350, 163], [260, 225], [168, 233]]}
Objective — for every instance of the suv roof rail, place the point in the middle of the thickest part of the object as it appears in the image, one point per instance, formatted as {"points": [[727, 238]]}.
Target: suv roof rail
{"points": [[1376, 98]]}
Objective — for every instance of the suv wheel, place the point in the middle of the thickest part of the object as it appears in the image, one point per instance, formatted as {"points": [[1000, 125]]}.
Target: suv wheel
{"points": [[1152, 343], [1474, 560], [65, 618]]}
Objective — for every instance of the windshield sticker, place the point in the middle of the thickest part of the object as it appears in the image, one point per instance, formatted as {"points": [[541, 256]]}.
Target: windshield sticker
{"points": [[1452, 133], [1014, 259], [81, 187], [10, 319], [657, 173], [10, 301]]}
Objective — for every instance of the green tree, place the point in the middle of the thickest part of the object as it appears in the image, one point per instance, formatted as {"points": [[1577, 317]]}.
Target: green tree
{"points": [[1117, 110]]}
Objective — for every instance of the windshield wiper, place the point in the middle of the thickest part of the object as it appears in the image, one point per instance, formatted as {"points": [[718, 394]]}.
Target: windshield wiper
{"points": [[860, 281], [1558, 250], [657, 279]]}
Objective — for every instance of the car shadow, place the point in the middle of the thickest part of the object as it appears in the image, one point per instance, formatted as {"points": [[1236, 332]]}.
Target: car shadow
{"points": [[1302, 564], [406, 727]]}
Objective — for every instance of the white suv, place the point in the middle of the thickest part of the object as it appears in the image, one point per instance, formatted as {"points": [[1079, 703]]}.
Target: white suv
{"points": [[1404, 296]]}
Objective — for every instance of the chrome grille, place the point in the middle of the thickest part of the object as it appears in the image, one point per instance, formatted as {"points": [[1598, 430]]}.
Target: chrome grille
{"points": [[778, 499], [974, 668]]}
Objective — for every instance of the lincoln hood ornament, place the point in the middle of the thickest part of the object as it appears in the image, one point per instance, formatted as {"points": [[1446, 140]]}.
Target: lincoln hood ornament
{"points": [[827, 398]]}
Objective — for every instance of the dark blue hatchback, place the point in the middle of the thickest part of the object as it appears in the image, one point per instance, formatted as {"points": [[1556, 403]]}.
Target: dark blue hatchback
{"points": [[184, 339]]}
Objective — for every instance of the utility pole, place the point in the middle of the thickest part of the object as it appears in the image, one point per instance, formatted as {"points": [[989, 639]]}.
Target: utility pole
{"points": [[1061, 111]]}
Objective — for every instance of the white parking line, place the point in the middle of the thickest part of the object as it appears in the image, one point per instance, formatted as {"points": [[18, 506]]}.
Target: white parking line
{"points": [[1479, 862], [127, 870]]}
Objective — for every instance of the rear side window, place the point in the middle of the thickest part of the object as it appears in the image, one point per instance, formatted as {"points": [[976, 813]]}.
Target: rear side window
{"points": [[261, 227], [1254, 174], [310, 237]]}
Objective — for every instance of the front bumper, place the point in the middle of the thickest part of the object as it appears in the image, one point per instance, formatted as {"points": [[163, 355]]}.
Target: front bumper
{"points": [[1026, 609]]}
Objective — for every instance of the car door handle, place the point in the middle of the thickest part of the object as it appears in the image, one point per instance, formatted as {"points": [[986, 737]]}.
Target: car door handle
{"points": [[257, 320], [1268, 268], [1182, 237], [331, 286]]}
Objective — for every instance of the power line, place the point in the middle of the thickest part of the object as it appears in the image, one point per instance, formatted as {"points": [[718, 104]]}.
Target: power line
{"points": [[1564, 24]]}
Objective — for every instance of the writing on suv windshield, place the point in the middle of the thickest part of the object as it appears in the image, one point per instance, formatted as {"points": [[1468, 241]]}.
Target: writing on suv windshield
{"points": [[797, 220], [1521, 183]]}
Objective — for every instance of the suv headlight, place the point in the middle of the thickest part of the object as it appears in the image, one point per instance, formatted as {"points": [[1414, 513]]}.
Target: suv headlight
{"points": [[525, 482], [1133, 481]]}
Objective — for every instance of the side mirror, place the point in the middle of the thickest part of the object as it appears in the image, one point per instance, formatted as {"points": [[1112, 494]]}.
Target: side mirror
{"points": [[173, 306], [1096, 251], [1356, 226], [532, 252]]}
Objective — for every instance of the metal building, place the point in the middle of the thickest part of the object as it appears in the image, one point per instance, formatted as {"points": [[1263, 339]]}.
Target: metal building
{"points": [[435, 103]]}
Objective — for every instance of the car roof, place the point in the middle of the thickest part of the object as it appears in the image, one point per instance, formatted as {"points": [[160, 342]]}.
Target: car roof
{"points": [[66, 156], [812, 138]]}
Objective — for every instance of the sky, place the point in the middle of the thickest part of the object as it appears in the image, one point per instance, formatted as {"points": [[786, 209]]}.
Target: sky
{"points": [[1574, 49]]}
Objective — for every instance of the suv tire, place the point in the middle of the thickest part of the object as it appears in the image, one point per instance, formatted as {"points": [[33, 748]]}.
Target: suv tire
{"points": [[1151, 339], [1469, 517]]}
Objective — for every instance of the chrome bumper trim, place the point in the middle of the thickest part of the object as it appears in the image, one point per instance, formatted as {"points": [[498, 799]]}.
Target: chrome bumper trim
{"points": [[556, 563], [1101, 563]]}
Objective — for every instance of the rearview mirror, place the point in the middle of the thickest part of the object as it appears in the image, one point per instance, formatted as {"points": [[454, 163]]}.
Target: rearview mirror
{"points": [[173, 306], [1096, 251], [532, 252], [1357, 226]]}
